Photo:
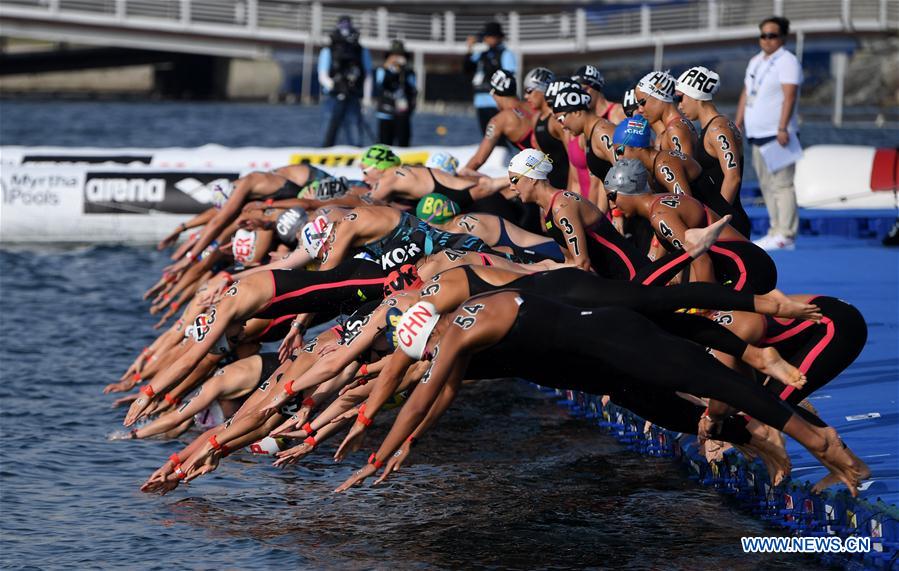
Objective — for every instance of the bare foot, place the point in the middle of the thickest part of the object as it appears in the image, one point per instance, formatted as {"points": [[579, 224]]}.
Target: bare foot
{"points": [[842, 463], [790, 308], [834, 477], [697, 241], [769, 362], [714, 450], [769, 443]]}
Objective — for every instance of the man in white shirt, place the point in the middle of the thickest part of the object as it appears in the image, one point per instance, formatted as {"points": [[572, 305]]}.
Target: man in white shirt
{"points": [[767, 112]]}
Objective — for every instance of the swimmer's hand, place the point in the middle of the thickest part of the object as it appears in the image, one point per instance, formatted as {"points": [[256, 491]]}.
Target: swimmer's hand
{"points": [[295, 422], [354, 438], [292, 341], [357, 478], [709, 428], [122, 401], [139, 409], [171, 238], [395, 462], [292, 455], [121, 386]]}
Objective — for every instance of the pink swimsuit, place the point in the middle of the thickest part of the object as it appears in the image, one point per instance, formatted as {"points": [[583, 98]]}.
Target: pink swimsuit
{"points": [[578, 159]]}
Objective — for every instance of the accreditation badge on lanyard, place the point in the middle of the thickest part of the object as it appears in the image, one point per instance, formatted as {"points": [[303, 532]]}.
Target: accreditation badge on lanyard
{"points": [[757, 79]]}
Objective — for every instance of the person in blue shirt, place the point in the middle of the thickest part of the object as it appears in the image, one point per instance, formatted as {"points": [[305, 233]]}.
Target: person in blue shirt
{"points": [[481, 62], [344, 73], [396, 91]]}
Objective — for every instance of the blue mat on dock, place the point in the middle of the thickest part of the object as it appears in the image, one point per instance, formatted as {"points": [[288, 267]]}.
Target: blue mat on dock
{"points": [[862, 404]]}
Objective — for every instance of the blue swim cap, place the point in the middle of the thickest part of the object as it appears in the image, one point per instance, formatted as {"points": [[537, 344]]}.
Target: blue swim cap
{"points": [[633, 132]]}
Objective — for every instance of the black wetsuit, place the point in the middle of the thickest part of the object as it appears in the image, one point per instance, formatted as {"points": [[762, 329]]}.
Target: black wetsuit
{"points": [[739, 264], [555, 148], [820, 350], [598, 166], [354, 281], [614, 257], [291, 189], [707, 188], [576, 287], [600, 349]]}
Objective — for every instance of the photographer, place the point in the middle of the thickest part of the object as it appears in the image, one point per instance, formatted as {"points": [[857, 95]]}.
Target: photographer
{"points": [[344, 70], [396, 92]]}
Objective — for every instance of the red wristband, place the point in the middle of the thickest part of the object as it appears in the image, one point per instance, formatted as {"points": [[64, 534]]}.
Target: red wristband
{"points": [[175, 305], [288, 388], [176, 460], [308, 429], [174, 401], [229, 279], [362, 418], [310, 441], [616, 212], [166, 297], [148, 390], [179, 472], [363, 370], [309, 402], [135, 377], [268, 201], [216, 446], [411, 439], [373, 460]]}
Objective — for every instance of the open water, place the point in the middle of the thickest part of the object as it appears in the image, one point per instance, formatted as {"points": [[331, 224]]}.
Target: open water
{"points": [[506, 480]]}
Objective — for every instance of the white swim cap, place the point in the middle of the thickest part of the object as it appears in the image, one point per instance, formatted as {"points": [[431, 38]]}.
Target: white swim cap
{"points": [[658, 84], [532, 164], [315, 233], [268, 446], [698, 82], [243, 245], [443, 161], [221, 191], [415, 327]]}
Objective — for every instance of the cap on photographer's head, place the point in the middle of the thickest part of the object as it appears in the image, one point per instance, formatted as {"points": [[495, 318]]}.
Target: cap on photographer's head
{"points": [[493, 33]]}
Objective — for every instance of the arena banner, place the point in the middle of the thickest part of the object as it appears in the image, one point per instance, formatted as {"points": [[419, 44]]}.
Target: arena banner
{"points": [[83, 203], [137, 192], [341, 160]]}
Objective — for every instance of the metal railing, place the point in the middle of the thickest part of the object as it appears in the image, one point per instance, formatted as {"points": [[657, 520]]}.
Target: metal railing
{"points": [[445, 32]]}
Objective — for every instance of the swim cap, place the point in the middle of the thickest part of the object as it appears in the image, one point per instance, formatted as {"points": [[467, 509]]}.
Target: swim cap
{"points": [[289, 223], [633, 132], [243, 246], [572, 98], [532, 164], [268, 446], [629, 102], [315, 233], [210, 417], [415, 327], [698, 82], [658, 84], [538, 79], [436, 208], [558, 85], [502, 83], [589, 75], [331, 187], [221, 191], [443, 161], [627, 176], [402, 279], [381, 157]]}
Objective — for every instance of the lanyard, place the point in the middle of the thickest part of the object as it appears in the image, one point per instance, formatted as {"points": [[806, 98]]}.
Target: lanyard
{"points": [[757, 81]]}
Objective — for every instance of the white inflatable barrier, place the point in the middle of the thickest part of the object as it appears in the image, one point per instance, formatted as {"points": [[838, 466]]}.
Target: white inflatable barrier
{"points": [[842, 177], [138, 195]]}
